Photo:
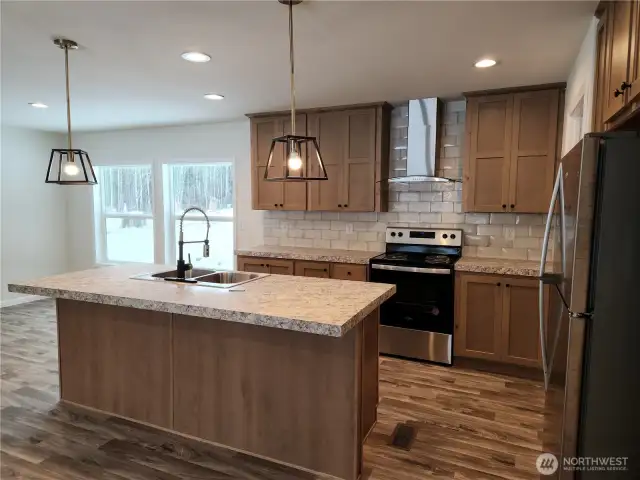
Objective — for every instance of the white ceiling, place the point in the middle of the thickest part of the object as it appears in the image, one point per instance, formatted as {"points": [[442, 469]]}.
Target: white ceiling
{"points": [[128, 71]]}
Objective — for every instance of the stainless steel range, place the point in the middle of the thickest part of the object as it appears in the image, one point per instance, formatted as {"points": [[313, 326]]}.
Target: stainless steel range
{"points": [[417, 322]]}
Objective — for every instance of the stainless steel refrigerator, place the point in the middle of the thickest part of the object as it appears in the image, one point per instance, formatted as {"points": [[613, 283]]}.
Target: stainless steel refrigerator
{"points": [[590, 339]]}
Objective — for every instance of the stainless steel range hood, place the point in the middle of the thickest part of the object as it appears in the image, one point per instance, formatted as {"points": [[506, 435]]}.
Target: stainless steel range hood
{"points": [[422, 143]]}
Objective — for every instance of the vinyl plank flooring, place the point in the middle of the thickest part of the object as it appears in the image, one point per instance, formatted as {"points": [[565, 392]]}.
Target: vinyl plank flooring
{"points": [[471, 425]]}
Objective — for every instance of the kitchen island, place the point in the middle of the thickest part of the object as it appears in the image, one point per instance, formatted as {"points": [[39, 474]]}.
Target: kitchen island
{"points": [[284, 368]]}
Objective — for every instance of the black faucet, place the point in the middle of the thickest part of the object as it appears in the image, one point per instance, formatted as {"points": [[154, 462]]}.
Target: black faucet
{"points": [[182, 265]]}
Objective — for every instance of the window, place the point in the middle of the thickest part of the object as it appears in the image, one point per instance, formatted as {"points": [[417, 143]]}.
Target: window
{"points": [[209, 187], [138, 209], [125, 221]]}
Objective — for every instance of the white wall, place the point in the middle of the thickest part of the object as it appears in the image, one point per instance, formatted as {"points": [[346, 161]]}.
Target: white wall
{"points": [[221, 141], [33, 235], [580, 91]]}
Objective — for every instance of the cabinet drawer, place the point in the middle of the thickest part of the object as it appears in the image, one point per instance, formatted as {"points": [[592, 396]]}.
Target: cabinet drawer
{"points": [[312, 269], [347, 271]]}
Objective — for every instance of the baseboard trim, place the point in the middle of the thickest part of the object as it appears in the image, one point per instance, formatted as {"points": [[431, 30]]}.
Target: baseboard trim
{"points": [[20, 300]]}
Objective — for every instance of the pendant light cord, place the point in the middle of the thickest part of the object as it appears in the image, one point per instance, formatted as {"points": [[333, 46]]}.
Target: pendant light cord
{"points": [[66, 70], [292, 80]]}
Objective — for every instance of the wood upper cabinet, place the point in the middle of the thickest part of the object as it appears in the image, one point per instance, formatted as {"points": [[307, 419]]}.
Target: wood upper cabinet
{"points": [[354, 143], [533, 150], [478, 316], [347, 140], [511, 150], [497, 319], [618, 49], [489, 120], [313, 269], [268, 195], [618, 64]]}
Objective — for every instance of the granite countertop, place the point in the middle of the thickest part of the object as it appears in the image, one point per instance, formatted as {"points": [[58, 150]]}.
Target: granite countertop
{"points": [[311, 254], [314, 305], [499, 266]]}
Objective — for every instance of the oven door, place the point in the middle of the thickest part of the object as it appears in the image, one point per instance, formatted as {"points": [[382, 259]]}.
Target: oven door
{"points": [[423, 299]]}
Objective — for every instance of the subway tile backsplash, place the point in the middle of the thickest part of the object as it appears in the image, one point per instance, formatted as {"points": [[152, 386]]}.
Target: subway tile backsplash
{"points": [[429, 205]]}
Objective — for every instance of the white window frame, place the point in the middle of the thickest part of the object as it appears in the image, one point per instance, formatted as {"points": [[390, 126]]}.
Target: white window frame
{"points": [[171, 216], [100, 216], [165, 242]]}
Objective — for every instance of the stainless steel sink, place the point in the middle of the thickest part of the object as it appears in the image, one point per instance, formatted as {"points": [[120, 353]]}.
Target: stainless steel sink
{"points": [[228, 278], [196, 272], [205, 278]]}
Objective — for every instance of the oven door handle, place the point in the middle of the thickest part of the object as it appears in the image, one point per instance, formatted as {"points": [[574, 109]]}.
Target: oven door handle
{"points": [[398, 268]]}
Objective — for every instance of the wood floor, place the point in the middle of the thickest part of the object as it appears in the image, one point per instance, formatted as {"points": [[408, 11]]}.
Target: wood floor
{"points": [[471, 425]]}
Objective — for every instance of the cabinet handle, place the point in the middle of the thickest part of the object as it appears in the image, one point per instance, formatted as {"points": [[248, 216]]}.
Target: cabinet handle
{"points": [[275, 205], [262, 264], [623, 87], [498, 284], [507, 285], [281, 205], [325, 270], [348, 273], [345, 205], [504, 205], [340, 206], [513, 205]]}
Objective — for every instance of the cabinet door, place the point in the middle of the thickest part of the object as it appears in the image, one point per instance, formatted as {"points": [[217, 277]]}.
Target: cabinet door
{"points": [[346, 271], [359, 167], [328, 128], [266, 195], [478, 316], [520, 323], [280, 267], [295, 193], [488, 149], [533, 151], [634, 64], [600, 84], [619, 16], [312, 269], [253, 264]]}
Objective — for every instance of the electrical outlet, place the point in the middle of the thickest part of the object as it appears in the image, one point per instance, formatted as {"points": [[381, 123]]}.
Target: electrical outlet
{"points": [[349, 227]]}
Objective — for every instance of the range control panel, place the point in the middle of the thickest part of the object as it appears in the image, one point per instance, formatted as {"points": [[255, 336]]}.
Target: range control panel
{"points": [[425, 236]]}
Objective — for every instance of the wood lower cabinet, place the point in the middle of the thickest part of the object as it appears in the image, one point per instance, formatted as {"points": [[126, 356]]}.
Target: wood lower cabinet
{"points": [[497, 319], [479, 316], [313, 269], [511, 150], [303, 268], [265, 265], [346, 271], [354, 144]]}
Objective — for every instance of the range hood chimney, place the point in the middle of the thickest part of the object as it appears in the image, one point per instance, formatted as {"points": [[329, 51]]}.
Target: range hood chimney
{"points": [[422, 143]]}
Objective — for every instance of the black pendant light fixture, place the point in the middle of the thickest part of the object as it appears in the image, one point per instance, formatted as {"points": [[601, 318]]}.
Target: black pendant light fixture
{"points": [[296, 147], [68, 166]]}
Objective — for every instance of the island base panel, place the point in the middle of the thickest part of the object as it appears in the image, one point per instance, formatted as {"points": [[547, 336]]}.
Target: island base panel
{"points": [[297, 398], [290, 396], [116, 359]]}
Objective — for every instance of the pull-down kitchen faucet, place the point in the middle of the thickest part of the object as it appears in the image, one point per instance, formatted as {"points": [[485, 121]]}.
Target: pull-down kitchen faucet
{"points": [[182, 265]]}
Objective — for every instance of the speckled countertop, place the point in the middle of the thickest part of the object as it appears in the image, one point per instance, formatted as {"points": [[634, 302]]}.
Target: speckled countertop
{"points": [[312, 254], [314, 305], [499, 266]]}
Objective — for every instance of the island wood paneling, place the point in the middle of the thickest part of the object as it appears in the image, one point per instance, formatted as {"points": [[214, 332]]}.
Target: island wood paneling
{"points": [[285, 395], [116, 359]]}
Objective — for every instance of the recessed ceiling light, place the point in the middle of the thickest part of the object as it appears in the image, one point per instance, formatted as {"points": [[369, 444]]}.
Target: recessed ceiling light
{"points": [[196, 57], [213, 96], [38, 105], [485, 63]]}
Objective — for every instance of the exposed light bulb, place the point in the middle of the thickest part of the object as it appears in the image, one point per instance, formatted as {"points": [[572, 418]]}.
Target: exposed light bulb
{"points": [[485, 63], [70, 168], [294, 161]]}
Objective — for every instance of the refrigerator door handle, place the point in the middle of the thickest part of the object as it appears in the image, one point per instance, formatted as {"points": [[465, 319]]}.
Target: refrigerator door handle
{"points": [[543, 262]]}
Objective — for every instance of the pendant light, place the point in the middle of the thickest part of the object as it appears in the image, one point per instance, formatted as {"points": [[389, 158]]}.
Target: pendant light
{"points": [[68, 166], [296, 147]]}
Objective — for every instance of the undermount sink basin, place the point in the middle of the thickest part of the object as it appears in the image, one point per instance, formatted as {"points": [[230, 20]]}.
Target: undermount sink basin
{"points": [[205, 278]]}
